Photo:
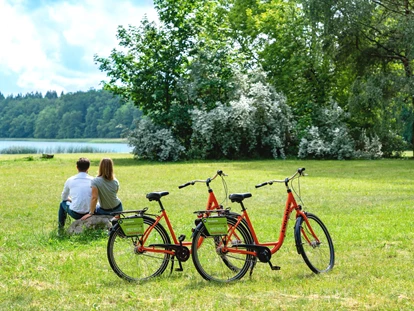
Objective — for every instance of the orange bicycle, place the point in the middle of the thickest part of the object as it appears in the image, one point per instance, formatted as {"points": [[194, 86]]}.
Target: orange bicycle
{"points": [[139, 247], [218, 236]]}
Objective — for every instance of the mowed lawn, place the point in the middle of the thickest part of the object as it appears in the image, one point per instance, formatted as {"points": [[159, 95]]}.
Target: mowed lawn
{"points": [[366, 205]]}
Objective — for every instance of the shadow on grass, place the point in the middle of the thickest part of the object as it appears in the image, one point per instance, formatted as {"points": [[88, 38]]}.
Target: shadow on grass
{"points": [[85, 237]]}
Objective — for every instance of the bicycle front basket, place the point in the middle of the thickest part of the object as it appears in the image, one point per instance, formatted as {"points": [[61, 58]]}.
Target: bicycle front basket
{"points": [[216, 225], [132, 226]]}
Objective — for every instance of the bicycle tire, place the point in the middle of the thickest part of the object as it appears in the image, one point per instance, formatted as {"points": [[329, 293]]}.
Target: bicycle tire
{"points": [[215, 266], [131, 265], [319, 256]]}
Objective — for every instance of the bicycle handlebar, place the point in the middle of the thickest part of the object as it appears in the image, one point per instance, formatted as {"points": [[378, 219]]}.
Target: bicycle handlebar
{"points": [[208, 180], [300, 172]]}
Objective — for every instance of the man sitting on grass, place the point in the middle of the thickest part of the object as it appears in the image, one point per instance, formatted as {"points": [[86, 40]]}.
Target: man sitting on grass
{"points": [[76, 194]]}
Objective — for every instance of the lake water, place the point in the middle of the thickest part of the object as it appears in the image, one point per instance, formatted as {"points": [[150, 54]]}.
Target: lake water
{"points": [[65, 147]]}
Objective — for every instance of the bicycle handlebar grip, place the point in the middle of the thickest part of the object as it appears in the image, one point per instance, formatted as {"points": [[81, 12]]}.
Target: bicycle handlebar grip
{"points": [[184, 185], [261, 185], [301, 170]]}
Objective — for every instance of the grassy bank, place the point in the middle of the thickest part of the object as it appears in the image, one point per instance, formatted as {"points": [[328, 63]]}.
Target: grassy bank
{"points": [[366, 205]]}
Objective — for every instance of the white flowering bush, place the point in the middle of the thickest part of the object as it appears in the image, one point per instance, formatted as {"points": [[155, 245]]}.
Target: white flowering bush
{"points": [[255, 125], [331, 140], [369, 148], [154, 143]]}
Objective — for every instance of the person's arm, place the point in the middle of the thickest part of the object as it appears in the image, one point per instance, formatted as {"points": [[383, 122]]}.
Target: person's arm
{"points": [[65, 192], [94, 201]]}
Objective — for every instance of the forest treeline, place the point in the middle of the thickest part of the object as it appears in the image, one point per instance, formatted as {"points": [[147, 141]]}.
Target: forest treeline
{"points": [[91, 114]]}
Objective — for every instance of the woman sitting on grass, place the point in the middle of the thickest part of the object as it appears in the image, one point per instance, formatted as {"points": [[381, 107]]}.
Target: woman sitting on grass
{"points": [[104, 190]]}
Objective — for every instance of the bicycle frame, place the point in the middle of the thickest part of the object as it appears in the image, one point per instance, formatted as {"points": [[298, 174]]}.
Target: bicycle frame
{"points": [[212, 204], [290, 206]]}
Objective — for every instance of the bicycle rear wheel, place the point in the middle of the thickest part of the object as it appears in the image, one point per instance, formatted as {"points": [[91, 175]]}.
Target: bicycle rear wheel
{"points": [[129, 263], [317, 250], [212, 263]]}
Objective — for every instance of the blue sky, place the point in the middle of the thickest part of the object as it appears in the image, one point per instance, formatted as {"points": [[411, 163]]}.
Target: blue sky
{"points": [[50, 44]]}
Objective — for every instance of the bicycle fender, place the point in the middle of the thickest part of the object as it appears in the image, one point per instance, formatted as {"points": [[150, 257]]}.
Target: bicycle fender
{"points": [[296, 229], [113, 228], [197, 228]]}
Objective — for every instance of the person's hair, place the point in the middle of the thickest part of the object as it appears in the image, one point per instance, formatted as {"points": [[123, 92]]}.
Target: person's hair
{"points": [[106, 169], [83, 164]]}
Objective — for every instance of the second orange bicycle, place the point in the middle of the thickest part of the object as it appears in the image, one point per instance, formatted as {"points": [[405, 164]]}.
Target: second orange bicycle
{"points": [[235, 238]]}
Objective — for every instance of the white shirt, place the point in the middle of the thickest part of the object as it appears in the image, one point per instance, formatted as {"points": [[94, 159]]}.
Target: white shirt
{"points": [[78, 189]]}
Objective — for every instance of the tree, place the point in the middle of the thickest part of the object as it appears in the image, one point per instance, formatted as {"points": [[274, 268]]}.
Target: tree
{"points": [[45, 124], [167, 70], [51, 95], [71, 125], [147, 73], [278, 37], [372, 44]]}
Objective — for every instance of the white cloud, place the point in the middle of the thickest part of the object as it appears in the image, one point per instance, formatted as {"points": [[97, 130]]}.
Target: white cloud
{"points": [[21, 48], [51, 46]]}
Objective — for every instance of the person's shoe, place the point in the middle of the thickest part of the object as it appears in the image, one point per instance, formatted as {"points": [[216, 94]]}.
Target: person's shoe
{"points": [[61, 231]]}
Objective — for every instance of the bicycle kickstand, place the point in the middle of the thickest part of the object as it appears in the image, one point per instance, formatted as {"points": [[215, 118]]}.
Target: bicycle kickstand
{"points": [[252, 265], [181, 238], [180, 268]]}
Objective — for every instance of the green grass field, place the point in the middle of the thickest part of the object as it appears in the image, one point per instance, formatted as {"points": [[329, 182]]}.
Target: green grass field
{"points": [[366, 205]]}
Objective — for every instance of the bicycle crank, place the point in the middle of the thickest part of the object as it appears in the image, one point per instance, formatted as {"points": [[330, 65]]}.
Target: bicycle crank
{"points": [[263, 252], [182, 253]]}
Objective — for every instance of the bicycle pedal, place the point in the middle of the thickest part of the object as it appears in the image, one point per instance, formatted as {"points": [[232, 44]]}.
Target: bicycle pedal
{"points": [[273, 267], [181, 238], [179, 269]]}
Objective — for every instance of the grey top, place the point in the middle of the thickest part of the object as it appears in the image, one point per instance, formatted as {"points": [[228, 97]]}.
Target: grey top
{"points": [[107, 192]]}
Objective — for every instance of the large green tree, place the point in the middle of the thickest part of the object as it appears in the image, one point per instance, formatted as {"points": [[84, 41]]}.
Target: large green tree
{"points": [[372, 44], [169, 68], [146, 69], [278, 36]]}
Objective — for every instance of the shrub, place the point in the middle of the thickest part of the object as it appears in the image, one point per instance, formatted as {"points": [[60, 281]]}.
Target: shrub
{"points": [[330, 140], [153, 142], [369, 148], [255, 125]]}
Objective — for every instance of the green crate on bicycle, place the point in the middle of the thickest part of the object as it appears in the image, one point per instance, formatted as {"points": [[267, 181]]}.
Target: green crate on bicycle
{"points": [[216, 225], [132, 226]]}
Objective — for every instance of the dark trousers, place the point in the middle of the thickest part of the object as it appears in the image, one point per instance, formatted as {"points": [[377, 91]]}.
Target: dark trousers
{"points": [[64, 210]]}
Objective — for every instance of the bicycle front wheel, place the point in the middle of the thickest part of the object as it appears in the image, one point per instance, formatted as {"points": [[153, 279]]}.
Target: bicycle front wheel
{"points": [[131, 264], [211, 260], [314, 243]]}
